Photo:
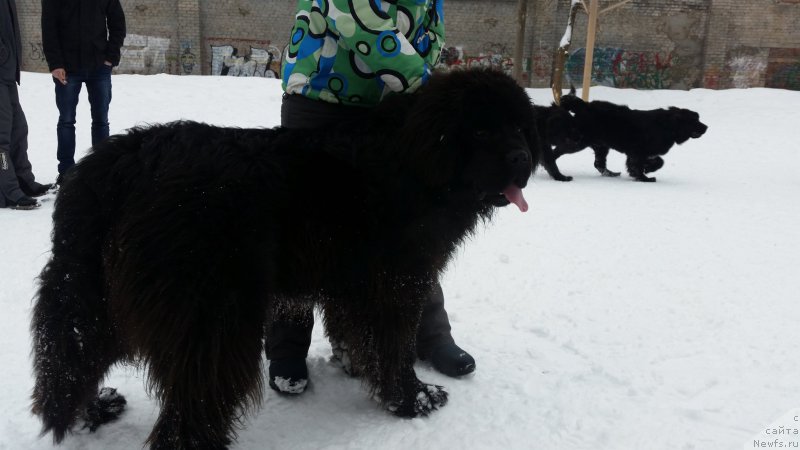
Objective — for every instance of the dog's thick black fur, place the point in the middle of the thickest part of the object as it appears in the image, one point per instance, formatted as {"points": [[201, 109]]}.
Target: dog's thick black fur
{"points": [[643, 136], [172, 244]]}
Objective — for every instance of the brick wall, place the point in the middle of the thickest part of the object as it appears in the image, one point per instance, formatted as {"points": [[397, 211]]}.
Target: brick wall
{"points": [[675, 44]]}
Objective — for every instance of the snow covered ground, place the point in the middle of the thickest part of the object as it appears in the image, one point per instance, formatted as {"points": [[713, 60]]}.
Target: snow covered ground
{"points": [[612, 315]]}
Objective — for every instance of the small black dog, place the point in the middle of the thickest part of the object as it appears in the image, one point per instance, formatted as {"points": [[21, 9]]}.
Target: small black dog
{"points": [[557, 128], [643, 136]]}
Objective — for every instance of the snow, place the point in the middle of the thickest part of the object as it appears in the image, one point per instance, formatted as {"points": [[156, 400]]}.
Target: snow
{"points": [[611, 315], [290, 387]]}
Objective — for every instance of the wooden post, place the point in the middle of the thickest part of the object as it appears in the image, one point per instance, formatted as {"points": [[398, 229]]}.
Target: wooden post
{"points": [[522, 15], [591, 30]]}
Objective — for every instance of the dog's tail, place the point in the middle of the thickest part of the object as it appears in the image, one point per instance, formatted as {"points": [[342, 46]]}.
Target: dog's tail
{"points": [[73, 338]]}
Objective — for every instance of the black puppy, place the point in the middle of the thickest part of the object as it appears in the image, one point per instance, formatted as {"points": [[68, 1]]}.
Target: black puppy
{"points": [[643, 136], [557, 128]]}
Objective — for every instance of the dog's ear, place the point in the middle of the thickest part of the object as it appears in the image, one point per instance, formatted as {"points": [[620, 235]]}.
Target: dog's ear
{"points": [[431, 128], [535, 142], [680, 124], [573, 103]]}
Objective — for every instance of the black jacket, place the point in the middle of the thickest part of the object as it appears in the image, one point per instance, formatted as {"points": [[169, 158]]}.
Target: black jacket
{"points": [[10, 43], [82, 34]]}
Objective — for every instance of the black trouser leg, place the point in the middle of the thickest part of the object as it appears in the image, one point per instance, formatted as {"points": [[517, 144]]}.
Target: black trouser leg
{"points": [[434, 327], [289, 337]]}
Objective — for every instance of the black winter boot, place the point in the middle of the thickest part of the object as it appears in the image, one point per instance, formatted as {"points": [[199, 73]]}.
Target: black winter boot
{"points": [[25, 203], [451, 360], [288, 375]]}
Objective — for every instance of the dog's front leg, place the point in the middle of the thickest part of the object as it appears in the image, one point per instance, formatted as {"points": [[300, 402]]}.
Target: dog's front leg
{"points": [[636, 169], [378, 331], [400, 389], [549, 162], [600, 157], [653, 163]]}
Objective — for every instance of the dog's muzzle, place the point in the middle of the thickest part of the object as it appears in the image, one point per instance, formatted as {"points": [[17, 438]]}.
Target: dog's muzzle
{"points": [[519, 160]]}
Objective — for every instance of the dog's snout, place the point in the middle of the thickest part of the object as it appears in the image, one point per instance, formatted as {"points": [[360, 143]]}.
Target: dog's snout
{"points": [[518, 158], [699, 130]]}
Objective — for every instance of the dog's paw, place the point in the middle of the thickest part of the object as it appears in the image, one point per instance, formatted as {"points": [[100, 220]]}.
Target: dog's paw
{"points": [[608, 173], [564, 178], [106, 407], [646, 179], [427, 398], [341, 358]]}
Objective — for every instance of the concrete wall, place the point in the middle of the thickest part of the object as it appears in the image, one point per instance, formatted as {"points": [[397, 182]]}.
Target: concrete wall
{"points": [[677, 44]]}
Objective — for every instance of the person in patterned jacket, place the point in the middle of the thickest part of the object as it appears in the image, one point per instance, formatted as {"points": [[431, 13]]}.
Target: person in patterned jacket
{"points": [[344, 57]]}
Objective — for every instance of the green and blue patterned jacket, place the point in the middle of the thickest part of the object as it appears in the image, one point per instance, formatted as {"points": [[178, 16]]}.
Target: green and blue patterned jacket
{"points": [[355, 52]]}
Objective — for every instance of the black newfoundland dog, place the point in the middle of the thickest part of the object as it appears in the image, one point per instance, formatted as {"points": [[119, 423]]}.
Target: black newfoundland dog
{"points": [[172, 243], [643, 136]]}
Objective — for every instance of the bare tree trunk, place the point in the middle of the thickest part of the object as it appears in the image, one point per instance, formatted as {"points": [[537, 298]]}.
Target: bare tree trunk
{"points": [[522, 16], [562, 52]]}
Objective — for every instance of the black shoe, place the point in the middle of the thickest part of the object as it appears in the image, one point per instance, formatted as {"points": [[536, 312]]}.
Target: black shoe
{"points": [[35, 190], [288, 375], [25, 203], [452, 361]]}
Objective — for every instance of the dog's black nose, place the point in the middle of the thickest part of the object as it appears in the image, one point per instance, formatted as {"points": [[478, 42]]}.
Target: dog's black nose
{"points": [[518, 158]]}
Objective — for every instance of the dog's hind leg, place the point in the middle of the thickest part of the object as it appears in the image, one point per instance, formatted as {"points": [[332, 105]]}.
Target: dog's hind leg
{"points": [[74, 343], [600, 157], [207, 369]]}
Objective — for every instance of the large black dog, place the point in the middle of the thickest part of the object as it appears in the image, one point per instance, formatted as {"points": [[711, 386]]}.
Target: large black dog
{"points": [[643, 136], [172, 244]]}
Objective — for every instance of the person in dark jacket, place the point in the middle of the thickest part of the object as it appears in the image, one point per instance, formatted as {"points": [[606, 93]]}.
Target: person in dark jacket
{"points": [[17, 182], [81, 40], [334, 70]]}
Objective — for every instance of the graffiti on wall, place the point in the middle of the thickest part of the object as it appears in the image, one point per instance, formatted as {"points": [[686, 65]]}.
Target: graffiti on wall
{"points": [[543, 63], [37, 52], [144, 55], [783, 69], [186, 58], [745, 66], [746, 70], [712, 78], [622, 68], [262, 60], [453, 58]]}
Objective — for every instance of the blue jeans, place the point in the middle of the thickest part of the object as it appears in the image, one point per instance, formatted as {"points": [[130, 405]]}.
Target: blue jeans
{"points": [[98, 85]]}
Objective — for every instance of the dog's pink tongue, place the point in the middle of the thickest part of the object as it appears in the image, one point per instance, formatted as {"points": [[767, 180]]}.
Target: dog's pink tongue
{"points": [[514, 194]]}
